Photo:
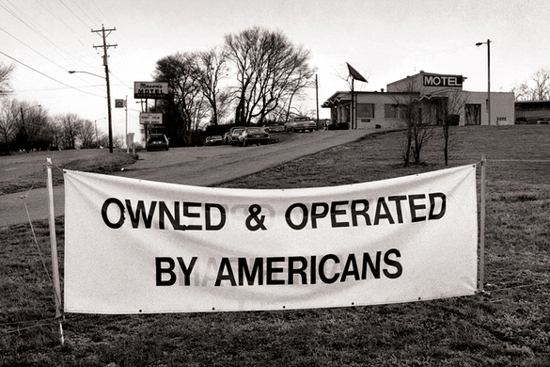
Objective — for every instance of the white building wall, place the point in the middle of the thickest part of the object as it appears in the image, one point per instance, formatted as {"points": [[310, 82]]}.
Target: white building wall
{"points": [[502, 111], [502, 107], [379, 99]]}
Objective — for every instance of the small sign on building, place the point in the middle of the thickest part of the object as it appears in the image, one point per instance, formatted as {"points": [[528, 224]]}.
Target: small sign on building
{"points": [[150, 118], [150, 90]]}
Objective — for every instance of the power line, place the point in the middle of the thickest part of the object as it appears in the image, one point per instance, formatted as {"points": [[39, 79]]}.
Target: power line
{"points": [[61, 20], [50, 60], [17, 39], [101, 11], [73, 13], [47, 76], [33, 28], [86, 14]]}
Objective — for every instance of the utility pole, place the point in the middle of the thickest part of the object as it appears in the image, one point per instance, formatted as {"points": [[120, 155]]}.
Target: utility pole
{"points": [[127, 146], [317, 98], [96, 138], [105, 46], [489, 79]]}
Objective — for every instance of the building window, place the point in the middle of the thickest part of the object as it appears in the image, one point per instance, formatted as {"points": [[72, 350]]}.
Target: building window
{"points": [[391, 111], [365, 110]]}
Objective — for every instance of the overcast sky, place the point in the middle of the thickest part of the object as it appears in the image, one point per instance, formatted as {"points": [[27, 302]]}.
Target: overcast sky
{"points": [[384, 40]]}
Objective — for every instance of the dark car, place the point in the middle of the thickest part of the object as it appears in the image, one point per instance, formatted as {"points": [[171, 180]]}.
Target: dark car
{"points": [[213, 140], [301, 124], [157, 142], [253, 135], [521, 121]]}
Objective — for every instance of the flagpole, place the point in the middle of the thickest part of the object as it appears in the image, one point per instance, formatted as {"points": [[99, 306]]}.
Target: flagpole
{"points": [[352, 117], [354, 74], [53, 246], [482, 224]]}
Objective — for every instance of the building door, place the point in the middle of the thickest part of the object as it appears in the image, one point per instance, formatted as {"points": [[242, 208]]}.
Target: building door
{"points": [[473, 114]]}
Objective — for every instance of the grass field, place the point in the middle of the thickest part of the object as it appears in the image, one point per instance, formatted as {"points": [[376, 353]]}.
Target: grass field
{"points": [[508, 325], [23, 174]]}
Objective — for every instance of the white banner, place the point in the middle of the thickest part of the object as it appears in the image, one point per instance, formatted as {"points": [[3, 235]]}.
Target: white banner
{"points": [[134, 246]]}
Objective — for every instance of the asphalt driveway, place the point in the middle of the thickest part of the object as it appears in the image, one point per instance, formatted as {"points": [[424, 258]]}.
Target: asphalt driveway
{"points": [[199, 166]]}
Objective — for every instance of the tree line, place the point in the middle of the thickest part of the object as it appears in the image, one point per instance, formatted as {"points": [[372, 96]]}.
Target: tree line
{"points": [[536, 88], [25, 127], [252, 78]]}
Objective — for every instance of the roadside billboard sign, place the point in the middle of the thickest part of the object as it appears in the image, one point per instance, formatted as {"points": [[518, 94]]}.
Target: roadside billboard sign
{"points": [[150, 90]]}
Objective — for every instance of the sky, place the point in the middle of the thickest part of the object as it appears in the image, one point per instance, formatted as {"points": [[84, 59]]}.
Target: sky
{"points": [[385, 40]]}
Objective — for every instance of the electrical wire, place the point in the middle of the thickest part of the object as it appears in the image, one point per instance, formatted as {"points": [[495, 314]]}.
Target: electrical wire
{"points": [[47, 76], [62, 21], [30, 24], [73, 13], [50, 60], [85, 13], [47, 58]]}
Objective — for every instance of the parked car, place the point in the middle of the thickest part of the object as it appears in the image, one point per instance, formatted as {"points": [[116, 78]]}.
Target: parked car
{"points": [[234, 135], [521, 120], [157, 142], [275, 128], [213, 140], [543, 121], [227, 135], [253, 135], [301, 124]]}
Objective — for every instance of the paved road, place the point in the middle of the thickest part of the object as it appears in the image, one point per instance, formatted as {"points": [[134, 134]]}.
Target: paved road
{"points": [[199, 166]]}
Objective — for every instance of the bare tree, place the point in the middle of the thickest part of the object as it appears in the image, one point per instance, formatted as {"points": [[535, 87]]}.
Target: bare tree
{"points": [[211, 68], [5, 75], [186, 102], [451, 106], [56, 133], [87, 135], [8, 122], [536, 89], [270, 69], [71, 126], [25, 126], [417, 120], [303, 79]]}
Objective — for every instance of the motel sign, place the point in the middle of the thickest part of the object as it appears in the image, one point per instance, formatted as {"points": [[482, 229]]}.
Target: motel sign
{"points": [[150, 90], [437, 80]]}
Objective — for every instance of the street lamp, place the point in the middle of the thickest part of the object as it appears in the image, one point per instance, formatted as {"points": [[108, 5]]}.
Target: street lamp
{"points": [[106, 78], [488, 43], [85, 72]]}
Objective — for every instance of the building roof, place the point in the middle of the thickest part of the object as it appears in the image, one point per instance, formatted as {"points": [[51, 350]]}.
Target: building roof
{"points": [[340, 96], [531, 105]]}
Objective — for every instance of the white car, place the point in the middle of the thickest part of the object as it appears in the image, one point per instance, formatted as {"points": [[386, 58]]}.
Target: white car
{"points": [[301, 124]]}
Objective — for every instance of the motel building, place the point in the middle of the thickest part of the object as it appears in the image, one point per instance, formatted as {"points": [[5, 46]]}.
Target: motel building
{"points": [[434, 98]]}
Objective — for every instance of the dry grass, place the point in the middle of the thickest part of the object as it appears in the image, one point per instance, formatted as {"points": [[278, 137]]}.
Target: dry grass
{"points": [[509, 325], [102, 163]]}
